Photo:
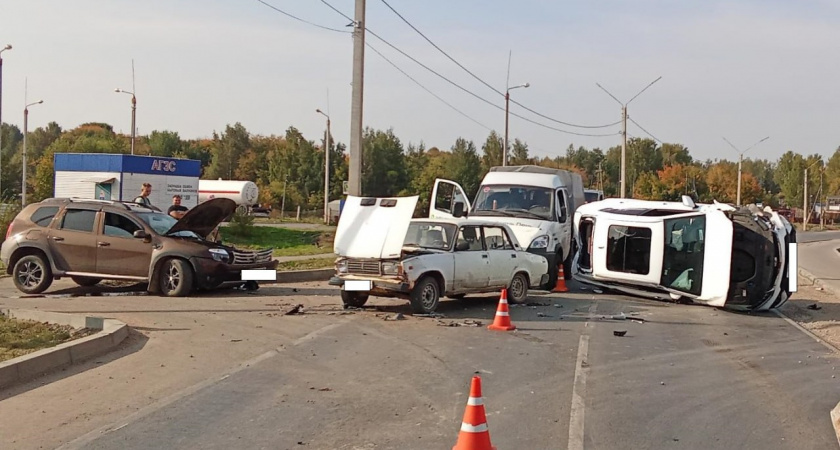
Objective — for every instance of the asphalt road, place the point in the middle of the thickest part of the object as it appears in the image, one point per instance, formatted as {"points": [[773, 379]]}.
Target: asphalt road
{"points": [[816, 236], [236, 373]]}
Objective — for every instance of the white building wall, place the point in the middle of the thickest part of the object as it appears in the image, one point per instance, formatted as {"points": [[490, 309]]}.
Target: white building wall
{"points": [[79, 184], [163, 188]]}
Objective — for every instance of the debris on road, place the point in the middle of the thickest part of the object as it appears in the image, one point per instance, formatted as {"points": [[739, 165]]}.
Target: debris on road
{"points": [[432, 315], [597, 291], [464, 323], [619, 333], [814, 306], [537, 304], [557, 305], [539, 314], [397, 316], [297, 309]]}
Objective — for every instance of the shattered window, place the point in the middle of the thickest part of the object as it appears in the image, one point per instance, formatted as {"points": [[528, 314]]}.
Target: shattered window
{"points": [[682, 262], [628, 249]]}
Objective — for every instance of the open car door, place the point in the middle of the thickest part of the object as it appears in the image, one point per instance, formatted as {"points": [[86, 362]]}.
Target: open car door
{"points": [[448, 200]]}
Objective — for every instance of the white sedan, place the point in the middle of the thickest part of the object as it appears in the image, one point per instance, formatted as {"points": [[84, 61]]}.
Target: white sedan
{"points": [[383, 252]]}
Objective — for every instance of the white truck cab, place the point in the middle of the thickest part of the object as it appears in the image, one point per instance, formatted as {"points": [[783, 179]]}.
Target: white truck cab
{"points": [[537, 203]]}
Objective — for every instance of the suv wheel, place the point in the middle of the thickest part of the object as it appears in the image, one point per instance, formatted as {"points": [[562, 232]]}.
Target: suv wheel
{"points": [[425, 296], [32, 275], [355, 299], [86, 281], [176, 278]]}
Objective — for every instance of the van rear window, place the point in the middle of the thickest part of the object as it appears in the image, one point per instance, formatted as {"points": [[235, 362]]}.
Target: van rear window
{"points": [[44, 215]]}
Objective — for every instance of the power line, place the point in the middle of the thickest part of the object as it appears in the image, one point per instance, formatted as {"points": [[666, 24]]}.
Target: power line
{"points": [[479, 79], [646, 131], [339, 12], [426, 89], [302, 20], [467, 90]]}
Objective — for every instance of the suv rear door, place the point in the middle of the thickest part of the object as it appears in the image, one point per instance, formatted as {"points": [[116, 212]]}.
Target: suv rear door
{"points": [[118, 252], [72, 242]]}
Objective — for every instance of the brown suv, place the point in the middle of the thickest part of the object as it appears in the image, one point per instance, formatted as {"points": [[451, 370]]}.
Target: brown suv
{"points": [[90, 240]]}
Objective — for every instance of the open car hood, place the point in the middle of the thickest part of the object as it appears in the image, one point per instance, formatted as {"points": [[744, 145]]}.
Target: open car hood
{"points": [[373, 227], [205, 217]]}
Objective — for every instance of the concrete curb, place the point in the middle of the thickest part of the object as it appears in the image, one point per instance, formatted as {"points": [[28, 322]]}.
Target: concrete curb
{"points": [[111, 333], [299, 276], [816, 281]]}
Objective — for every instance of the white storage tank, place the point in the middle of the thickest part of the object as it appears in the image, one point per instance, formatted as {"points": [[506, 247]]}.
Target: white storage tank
{"points": [[242, 192]]}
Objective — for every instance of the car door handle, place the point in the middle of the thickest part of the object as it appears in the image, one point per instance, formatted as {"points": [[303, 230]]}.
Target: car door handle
{"points": [[103, 244], [513, 255], [57, 238], [484, 256]]}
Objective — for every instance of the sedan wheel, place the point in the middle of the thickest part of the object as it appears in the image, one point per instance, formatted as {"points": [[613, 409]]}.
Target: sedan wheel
{"points": [[425, 296], [32, 275], [518, 290], [176, 278]]}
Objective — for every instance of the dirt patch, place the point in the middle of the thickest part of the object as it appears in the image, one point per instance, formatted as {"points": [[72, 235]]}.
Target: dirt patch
{"points": [[816, 310], [19, 337]]}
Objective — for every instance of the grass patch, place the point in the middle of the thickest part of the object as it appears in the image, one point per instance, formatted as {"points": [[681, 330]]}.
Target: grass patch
{"points": [[19, 337], [307, 264], [285, 241]]}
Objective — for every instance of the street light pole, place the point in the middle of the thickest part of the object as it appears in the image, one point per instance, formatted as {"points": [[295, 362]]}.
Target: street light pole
{"points": [[624, 132], [7, 47], [507, 114], [25, 132], [326, 170], [740, 161], [133, 114], [805, 198]]}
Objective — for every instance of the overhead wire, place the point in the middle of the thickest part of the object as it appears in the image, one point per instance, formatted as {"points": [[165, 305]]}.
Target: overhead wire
{"points": [[302, 20], [479, 78], [368, 30], [643, 129]]}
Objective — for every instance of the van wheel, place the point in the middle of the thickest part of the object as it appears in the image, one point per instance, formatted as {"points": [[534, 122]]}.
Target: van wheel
{"points": [[425, 296], [176, 278], [86, 281], [32, 275], [567, 266], [354, 299], [518, 289]]}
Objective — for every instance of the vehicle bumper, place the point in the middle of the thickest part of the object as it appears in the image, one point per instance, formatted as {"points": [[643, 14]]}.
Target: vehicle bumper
{"points": [[210, 272], [548, 255], [379, 287]]}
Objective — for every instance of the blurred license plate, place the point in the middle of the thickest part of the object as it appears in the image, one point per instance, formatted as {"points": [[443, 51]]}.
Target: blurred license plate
{"points": [[357, 285]]}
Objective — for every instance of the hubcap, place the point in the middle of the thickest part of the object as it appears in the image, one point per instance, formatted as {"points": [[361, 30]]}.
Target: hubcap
{"points": [[31, 274], [172, 278], [429, 295]]}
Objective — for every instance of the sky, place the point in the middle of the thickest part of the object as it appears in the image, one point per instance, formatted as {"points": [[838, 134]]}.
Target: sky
{"points": [[742, 69]]}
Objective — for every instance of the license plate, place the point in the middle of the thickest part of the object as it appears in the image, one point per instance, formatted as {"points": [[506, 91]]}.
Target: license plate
{"points": [[357, 285]]}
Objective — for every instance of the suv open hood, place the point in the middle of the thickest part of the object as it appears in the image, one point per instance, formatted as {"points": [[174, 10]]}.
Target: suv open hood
{"points": [[373, 227], [205, 217]]}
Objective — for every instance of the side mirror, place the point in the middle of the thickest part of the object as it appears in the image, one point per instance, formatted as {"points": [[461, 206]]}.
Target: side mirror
{"points": [[687, 201], [141, 234], [458, 209], [462, 246]]}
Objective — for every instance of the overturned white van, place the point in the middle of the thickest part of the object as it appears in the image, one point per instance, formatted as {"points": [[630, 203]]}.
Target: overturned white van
{"points": [[537, 203], [735, 258]]}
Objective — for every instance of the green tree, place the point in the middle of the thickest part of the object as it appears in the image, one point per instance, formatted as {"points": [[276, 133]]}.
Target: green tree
{"points": [[519, 154], [491, 152], [673, 154], [227, 149], [464, 166], [165, 143], [383, 167]]}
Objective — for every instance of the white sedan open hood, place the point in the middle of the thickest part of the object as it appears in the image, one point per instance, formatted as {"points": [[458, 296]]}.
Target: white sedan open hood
{"points": [[373, 227]]}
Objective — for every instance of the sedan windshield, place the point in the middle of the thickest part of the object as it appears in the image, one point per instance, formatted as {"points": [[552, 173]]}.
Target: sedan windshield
{"points": [[162, 223], [515, 201], [430, 235], [682, 261]]}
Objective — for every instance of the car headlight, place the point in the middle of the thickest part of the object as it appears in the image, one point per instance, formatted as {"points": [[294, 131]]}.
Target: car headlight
{"points": [[341, 266], [219, 254], [390, 268], [539, 242]]}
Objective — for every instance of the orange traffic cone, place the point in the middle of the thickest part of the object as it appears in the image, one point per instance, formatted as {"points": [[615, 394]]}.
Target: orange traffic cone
{"points": [[502, 320], [561, 281], [474, 433]]}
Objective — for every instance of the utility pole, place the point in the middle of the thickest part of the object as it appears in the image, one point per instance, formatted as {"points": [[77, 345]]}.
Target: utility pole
{"points": [[740, 161], [354, 184], [805, 204], [326, 170], [624, 133]]}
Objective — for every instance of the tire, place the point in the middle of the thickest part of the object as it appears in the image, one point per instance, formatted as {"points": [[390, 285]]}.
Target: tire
{"points": [[354, 299], [567, 266], [553, 272], [86, 281], [32, 275], [425, 296], [518, 289], [175, 278]]}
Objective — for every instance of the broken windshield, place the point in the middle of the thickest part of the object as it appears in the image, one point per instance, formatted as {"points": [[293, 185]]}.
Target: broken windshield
{"points": [[433, 235], [682, 261], [518, 201]]}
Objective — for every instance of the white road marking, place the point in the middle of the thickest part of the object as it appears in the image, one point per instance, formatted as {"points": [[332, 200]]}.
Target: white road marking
{"points": [[576, 414]]}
